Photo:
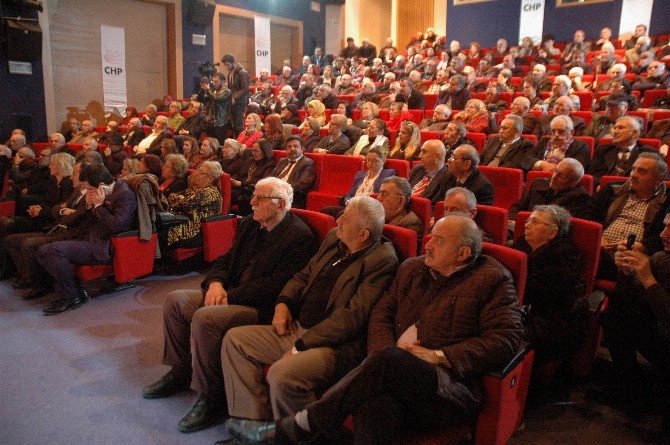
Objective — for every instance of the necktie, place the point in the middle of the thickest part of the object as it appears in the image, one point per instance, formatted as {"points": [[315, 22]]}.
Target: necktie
{"points": [[421, 186], [619, 169], [287, 169]]}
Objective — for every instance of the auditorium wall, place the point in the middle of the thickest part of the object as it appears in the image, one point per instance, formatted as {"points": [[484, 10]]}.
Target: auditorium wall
{"points": [[501, 19]]}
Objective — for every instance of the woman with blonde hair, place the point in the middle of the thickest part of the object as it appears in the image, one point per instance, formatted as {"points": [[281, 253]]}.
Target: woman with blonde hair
{"points": [[475, 117], [317, 110], [408, 143], [252, 130]]}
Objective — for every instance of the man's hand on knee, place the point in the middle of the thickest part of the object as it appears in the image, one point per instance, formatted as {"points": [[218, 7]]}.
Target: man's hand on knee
{"points": [[216, 294], [282, 321]]}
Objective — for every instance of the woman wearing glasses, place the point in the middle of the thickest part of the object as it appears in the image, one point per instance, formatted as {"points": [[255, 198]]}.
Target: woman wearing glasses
{"points": [[554, 295]]}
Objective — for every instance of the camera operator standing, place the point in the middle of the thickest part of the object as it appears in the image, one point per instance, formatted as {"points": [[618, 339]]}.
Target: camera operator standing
{"points": [[217, 102], [238, 82]]}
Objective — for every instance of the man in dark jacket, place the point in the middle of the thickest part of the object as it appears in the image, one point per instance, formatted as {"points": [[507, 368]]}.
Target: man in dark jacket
{"points": [[456, 96], [423, 362], [463, 172], [551, 150], [238, 83], [428, 179], [410, 95], [269, 247], [218, 103], [509, 149]]}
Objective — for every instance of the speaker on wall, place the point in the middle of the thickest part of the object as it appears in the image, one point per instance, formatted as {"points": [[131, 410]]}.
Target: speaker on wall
{"points": [[23, 40], [200, 12]]}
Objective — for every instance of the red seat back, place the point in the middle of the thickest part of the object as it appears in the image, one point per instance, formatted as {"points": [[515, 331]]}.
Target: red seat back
{"points": [[225, 187], [218, 234], [338, 172], [416, 115], [650, 96], [507, 183], [423, 209], [585, 99], [133, 258], [400, 166], [318, 168], [404, 240], [479, 140], [320, 223], [514, 260], [431, 101], [427, 135]]}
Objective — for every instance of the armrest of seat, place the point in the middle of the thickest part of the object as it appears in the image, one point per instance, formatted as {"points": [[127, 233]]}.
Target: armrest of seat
{"points": [[316, 201], [218, 234], [7, 207], [506, 393], [133, 258]]}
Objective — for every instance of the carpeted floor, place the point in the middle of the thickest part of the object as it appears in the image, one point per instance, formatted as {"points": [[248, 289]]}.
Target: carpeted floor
{"points": [[76, 378]]}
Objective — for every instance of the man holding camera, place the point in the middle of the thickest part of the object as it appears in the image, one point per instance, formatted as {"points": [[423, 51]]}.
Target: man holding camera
{"points": [[218, 103], [238, 82]]}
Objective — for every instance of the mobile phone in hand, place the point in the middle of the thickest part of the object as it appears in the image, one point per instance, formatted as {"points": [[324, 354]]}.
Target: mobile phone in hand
{"points": [[630, 241]]}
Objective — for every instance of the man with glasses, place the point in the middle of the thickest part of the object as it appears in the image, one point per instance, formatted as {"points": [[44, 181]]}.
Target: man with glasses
{"points": [[395, 194], [562, 106], [336, 142], [269, 247], [550, 151], [463, 172], [439, 121]]}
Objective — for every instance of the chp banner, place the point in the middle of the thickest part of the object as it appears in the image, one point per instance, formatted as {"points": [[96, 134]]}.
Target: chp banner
{"points": [[113, 51], [262, 42], [531, 20]]}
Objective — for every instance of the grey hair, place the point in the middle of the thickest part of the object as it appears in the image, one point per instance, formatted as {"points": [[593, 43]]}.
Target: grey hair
{"points": [[131, 164], [660, 167], [370, 214], [5, 151], [469, 234], [215, 169], [565, 119], [26, 152], [518, 121], [560, 217], [64, 163], [179, 163], [162, 120], [340, 120], [60, 137], [93, 141], [151, 107], [469, 196], [20, 137], [565, 80], [470, 154], [403, 185], [93, 157], [234, 143], [280, 188], [576, 166]]}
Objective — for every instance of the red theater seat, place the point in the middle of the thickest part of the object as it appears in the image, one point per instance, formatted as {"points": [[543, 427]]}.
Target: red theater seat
{"points": [[320, 223], [401, 167], [337, 175], [492, 220], [404, 240], [479, 139], [507, 183]]}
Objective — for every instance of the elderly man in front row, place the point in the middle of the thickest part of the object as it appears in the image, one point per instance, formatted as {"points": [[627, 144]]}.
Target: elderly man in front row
{"points": [[635, 207], [424, 364], [270, 246], [320, 322]]}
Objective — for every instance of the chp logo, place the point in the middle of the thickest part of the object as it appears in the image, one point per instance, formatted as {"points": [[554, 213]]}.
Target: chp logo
{"points": [[262, 45], [111, 57]]}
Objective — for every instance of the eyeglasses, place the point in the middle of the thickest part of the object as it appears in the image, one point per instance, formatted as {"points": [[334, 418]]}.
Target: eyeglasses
{"points": [[454, 158], [535, 221], [263, 197]]}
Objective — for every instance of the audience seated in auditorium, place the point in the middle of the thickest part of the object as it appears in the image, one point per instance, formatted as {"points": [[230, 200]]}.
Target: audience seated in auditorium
{"points": [[287, 79], [296, 169], [344, 86], [376, 393], [620, 91], [456, 96], [87, 131], [263, 100], [563, 107], [336, 142], [175, 176], [310, 134], [290, 115], [231, 160], [152, 143], [549, 151], [521, 106], [438, 121], [134, 133], [148, 118], [374, 137], [252, 130], [209, 148], [561, 88], [539, 77], [578, 45], [636, 207], [637, 319], [190, 149], [73, 127], [407, 143], [112, 206], [366, 95], [369, 111], [602, 125], [394, 194], [617, 157], [492, 100], [115, 154], [175, 119], [463, 172], [319, 325], [317, 110], [274, 131], [476, 117], [269, 247], [508, 149], [657, 78], [554, 295], [410, 95], [258, 166], [428, 179]]}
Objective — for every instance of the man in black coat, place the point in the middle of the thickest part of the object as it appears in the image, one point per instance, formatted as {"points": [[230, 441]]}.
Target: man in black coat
{"points": [[463, 172], [296, 169], [456, 96], [428, 179], [508, 149], [617, 157], [410, 95], [238, 83], [563, 106], [269, 247]]}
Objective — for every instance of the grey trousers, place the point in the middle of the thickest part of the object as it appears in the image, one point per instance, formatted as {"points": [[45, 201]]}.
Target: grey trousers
{"points": [[293, 382], [193, 334]]}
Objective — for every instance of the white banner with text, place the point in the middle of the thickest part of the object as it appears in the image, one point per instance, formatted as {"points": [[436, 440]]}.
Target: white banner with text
{"points": [[531, 21], [262, 44], [113, 51]]}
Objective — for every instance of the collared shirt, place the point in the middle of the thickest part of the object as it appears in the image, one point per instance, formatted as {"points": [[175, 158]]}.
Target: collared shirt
{"points": [[146, 142], [495, 162], [631, 220], [289, 168], [366, 188]]}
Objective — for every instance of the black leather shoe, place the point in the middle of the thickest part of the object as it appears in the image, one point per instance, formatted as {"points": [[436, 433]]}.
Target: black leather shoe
{"points": [[60, 306], [204, 413], [36, 293], [168, 385]]}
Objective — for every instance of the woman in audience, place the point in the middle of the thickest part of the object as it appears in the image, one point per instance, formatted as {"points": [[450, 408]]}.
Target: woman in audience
{"points": [[317, 110], [274, 131], [475, 117], [310, 132], [408, 143], [130, 167], [151, 164], [168, 146], [369, 111], [366, 182], [252, 130], [189, 148], [527, 47], [554, 295], [131, 112], [548, 45], [375, 137], [208, 149], [327, 76], [175, 175], [344, 108], [290, 115], [257, 167], [201, 200], [231, 162], [397, 114], [475, 52]]}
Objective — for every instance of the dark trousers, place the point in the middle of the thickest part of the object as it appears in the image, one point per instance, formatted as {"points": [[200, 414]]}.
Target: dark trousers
{"points": [[23, 250], [57, 258], [193, 335], [391, 389]]}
